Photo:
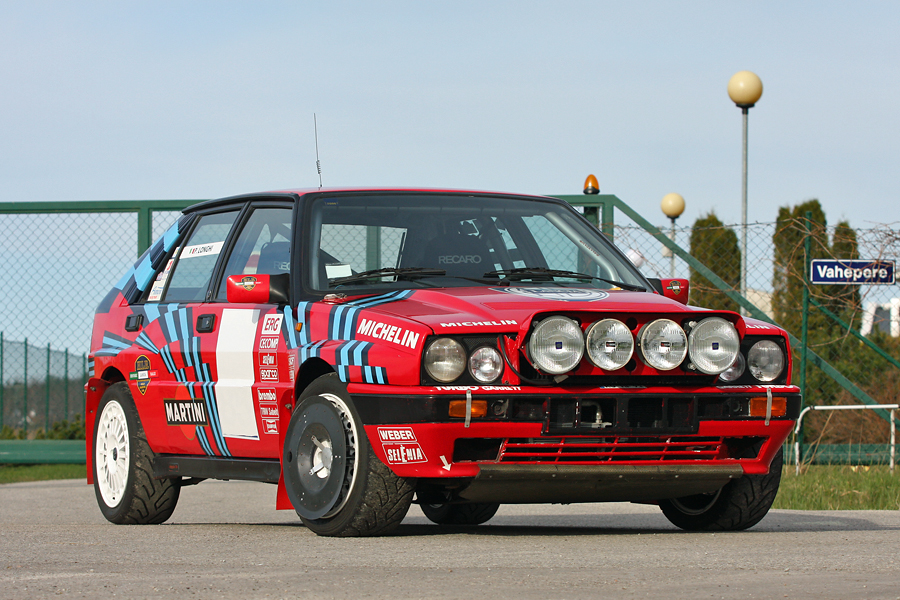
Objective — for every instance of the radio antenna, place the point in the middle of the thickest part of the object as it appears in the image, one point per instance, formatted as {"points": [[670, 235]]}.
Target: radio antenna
{"points": [[318, 163]]}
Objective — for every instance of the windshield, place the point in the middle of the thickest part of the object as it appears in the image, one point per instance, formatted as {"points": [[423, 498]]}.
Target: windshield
{"points": [[408, 240]]}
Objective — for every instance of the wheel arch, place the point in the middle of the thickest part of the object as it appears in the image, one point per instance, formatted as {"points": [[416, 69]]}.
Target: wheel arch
{"points": [[309, 371], [94, 390]]}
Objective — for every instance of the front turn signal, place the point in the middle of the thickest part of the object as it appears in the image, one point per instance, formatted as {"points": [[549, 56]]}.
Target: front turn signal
{"points": [[758, 406], [458, 409]]}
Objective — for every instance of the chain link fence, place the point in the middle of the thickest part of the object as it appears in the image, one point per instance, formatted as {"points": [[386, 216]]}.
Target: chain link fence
{"points": [[58, 267], [60, 264], [775, 282]]}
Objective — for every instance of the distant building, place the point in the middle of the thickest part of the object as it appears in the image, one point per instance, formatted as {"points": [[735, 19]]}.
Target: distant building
{"points": [[762, 300], [884, 316]]}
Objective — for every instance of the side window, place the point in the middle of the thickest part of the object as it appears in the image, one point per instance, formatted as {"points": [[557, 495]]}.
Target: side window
{"points": [[197, 258], [263, 246]]}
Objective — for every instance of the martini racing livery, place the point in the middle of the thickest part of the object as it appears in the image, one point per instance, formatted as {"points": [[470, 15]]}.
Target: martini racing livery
{"points": [[366, 349]]}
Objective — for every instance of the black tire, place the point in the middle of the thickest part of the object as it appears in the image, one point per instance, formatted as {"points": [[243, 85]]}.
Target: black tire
{"points": [[126, 490], [337, 484], [740, 504], [460, 514]]}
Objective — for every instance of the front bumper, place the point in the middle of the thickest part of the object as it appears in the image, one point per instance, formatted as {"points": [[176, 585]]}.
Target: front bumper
{"points": [[690, 443]]}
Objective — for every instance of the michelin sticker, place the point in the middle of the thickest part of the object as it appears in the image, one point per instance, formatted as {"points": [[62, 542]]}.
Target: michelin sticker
{"points": [[554, 293]]}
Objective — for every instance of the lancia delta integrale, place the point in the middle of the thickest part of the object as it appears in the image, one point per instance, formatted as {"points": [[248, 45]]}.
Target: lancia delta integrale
{"points": [[363, 350]]}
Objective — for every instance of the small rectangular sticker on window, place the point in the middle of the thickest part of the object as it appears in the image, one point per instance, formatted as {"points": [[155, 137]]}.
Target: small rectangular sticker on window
{"points": [[202, 250], [335, 270]]}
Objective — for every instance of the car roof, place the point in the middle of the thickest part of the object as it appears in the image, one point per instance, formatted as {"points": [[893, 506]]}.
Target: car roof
{"points": [[293, 194]]}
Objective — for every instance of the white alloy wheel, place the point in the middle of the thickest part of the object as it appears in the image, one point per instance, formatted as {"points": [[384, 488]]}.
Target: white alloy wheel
{"points": [[112, 453]]}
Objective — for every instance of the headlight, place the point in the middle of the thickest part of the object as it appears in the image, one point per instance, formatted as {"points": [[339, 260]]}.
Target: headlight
{"points": [[609, 344], [766, 360], [713, 345], [663, 344], [734, 372], [485, 364], [445, 360], [556, 345]]}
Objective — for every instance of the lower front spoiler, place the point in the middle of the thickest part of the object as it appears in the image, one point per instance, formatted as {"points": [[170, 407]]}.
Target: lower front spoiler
{"points": [[529, 484]]}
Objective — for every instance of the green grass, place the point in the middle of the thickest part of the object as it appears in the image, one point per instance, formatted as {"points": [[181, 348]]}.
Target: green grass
{"points": [[839, 487], [19, 473]]}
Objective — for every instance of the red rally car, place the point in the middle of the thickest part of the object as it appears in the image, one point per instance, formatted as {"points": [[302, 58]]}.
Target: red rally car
{"points": [[366, 349]]}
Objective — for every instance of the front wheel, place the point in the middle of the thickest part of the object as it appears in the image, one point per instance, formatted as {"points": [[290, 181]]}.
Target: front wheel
{"points": [[123, 464], [740, 504], [337, 484]]}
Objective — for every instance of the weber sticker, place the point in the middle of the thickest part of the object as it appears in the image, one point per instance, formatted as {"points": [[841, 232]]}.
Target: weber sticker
{"points": [[185, 412], [142, 374], [400, 445]]}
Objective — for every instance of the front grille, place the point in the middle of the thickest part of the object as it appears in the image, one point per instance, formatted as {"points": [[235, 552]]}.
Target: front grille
{"points": [[590, 450]]}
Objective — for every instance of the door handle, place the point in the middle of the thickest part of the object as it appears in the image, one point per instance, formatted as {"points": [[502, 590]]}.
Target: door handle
{"points": [[206, 323]]}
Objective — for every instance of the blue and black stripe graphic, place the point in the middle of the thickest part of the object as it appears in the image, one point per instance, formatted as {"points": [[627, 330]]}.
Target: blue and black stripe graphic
{"points": [[141, 273], [90, 365], [177, 325], [343, 321], [112, 344]]}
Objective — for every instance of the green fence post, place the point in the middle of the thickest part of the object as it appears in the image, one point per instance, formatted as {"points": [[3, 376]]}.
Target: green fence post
{"points": [[1, 380], [47, 394], [66, 387], [145, 228], [804, 329], [373, 248], [25, 392]]}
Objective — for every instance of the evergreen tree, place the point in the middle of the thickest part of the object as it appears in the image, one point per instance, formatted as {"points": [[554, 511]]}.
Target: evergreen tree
{"points": [[715, 246]]}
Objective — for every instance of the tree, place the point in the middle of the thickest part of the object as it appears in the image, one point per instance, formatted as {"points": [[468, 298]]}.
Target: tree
{"points": [[715, 246]]}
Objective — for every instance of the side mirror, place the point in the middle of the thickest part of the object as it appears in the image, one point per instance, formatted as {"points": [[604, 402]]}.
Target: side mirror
{"points": [[258, 289], [678, 290]]}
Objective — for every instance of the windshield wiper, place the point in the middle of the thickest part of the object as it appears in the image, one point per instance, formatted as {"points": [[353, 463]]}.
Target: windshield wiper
{"points": [[404, 273], [539, 272]]}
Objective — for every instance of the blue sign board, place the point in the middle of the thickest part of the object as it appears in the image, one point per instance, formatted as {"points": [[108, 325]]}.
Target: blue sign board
{"points": [[852, 272]]}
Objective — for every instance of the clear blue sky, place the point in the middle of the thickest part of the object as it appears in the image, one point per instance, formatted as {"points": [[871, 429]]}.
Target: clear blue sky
{"points": [[128, 100]]}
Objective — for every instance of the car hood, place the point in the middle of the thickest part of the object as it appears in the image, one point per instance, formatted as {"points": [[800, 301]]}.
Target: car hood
{"points": [[497, 309]]}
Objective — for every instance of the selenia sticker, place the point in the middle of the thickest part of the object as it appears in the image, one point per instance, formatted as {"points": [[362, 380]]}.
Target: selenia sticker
{"points": [[554, 293], [248, 283], [400, 445]]}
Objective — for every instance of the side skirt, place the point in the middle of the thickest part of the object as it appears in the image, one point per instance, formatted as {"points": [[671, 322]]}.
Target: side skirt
{"points": [[201, 467]]}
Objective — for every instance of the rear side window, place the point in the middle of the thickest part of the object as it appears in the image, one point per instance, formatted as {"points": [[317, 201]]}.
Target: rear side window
{"points": [[197, 258]]}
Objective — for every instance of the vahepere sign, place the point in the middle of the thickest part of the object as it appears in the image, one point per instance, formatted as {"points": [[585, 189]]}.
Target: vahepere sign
{"points": [[852, 272]]}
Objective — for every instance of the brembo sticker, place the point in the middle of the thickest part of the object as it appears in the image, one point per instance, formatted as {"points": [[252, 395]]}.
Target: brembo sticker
{"points": [[268, 409], [564, 294], [400, 445]]}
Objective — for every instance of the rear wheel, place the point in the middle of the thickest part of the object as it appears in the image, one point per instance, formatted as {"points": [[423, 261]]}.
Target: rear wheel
{"points": [[337, 484], [742, 503], [126, 490], [460, 514]]}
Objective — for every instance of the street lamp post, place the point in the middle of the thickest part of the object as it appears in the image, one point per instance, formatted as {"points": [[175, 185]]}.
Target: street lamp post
{"points": [[744, 89], [672, 205]]}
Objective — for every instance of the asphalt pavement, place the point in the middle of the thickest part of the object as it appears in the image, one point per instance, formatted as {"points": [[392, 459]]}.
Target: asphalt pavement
{"points": [[226, 540]]}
